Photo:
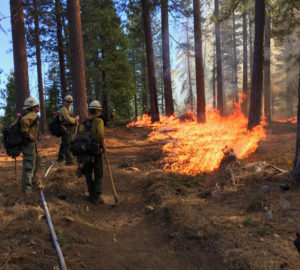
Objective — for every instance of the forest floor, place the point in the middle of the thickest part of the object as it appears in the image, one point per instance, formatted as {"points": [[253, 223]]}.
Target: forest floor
{"points": [[242, 216]]}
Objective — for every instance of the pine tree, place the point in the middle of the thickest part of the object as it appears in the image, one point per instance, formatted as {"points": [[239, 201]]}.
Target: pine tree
{"points": [[9, 106], [220, 94], [150, 60], [257, 76], [109, 74], [199, 63], [77, 59], [19, 52], [166, 58]]}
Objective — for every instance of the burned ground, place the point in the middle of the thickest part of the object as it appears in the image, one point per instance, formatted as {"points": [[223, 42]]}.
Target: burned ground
{"points": [[242, 216]]}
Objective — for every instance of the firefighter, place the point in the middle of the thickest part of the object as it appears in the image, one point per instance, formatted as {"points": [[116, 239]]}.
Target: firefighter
{"points": [[67, 123], [30, 130], [113, 115], [94, 165]]}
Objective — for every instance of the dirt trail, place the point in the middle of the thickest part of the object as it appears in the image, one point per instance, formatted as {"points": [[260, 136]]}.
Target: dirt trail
{"points": [[91, 237]]}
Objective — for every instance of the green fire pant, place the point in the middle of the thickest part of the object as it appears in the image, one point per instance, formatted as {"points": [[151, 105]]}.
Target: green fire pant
{"points": [[94, 185], [31, 160], [65, 147]]}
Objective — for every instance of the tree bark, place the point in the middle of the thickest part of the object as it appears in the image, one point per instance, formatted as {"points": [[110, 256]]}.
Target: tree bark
{"points": [[220, 98], [199, 63], [60, 49], [77, 58], [267, 70], [251, 44], [144, 84], [166, 58], [214, 82], [235, 79], [245, 65], [191, 96], [19, 51], [39, 66], [136, 113], [258, 62], [296, 169], [150, 61]]}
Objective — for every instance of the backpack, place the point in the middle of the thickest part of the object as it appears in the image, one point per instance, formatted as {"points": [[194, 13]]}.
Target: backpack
{"points": [[84, 143], [12, 139], [55, 127]]}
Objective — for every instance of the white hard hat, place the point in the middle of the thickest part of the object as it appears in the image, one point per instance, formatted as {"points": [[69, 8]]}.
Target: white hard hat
{"points": [[95, 104], [30, 102], [68, 98]]}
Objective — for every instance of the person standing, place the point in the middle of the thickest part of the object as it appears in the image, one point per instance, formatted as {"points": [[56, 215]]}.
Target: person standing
{"points": [[67, 123], [113, 115], [95, 125], [30, 130]]}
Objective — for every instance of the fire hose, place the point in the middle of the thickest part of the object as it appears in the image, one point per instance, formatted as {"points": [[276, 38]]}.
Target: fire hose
{"points": [[53, 234]]}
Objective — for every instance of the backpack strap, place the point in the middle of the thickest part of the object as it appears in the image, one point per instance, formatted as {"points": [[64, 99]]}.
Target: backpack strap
{"points": [[88, 123]]}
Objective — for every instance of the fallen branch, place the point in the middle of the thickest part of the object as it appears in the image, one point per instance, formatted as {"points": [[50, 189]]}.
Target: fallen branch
{"points": [[277, 169]]}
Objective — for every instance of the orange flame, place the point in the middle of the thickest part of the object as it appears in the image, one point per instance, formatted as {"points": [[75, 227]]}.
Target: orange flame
{"points": [[291, 120], [192, 148]]}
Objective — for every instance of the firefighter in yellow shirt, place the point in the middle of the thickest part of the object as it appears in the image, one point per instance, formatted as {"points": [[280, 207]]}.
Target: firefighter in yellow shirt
{"points": [[67, 123], [94, 163], [30, 130]]}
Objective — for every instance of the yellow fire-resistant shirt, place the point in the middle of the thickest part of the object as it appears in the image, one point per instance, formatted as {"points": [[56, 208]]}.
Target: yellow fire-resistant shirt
{"points": [[65, 116], [30, 123], [97, 129]]}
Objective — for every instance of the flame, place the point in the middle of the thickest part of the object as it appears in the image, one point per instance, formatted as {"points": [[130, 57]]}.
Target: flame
{"points": [[192, 148], [291, 120]]}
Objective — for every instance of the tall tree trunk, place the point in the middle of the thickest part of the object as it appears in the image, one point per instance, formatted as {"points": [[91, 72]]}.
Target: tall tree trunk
{"points": [[60, 48], [105, 105], [77, 58], [39, 66], [235, 79], [144, 84], [258, 62], [135, 83], [136, 113], [163, 111], [267, 70], [220, 98], [19, 49], [166, 58], [191, 96], [214, 82], [150, 61], [199, 63], [245, 65], [289, 79], [251, 44], [296, 169]]}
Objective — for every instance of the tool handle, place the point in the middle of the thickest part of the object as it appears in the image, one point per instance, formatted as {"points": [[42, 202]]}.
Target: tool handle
{"points": [[111, 179], [16, 174]]}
